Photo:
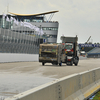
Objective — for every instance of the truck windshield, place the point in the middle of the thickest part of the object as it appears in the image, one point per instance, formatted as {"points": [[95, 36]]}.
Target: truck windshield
{"points": [[68, 47]]}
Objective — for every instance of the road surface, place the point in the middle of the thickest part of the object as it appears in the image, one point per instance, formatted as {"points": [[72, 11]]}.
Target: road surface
{"points": [[21, 76]]}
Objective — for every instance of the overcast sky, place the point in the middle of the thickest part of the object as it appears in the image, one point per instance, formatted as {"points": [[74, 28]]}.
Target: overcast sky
{"points": [[75, 17]]}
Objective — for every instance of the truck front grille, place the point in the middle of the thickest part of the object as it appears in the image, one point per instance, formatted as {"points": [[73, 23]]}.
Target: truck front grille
{"points": [[43, 54]]}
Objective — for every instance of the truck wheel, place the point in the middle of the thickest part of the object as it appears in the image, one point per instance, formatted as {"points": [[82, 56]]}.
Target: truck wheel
{"points": [[76, 64], [43, 63], [60, 64], [77, 61], [77, 58]]}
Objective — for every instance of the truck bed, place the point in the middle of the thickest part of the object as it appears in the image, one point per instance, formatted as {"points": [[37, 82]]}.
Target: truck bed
{"points": [[69, 39]]}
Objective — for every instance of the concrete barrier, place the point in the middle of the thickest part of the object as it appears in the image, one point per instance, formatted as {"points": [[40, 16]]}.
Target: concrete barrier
{"points": [[74, 87], [15, 57], [43, 92], [97, 78], [87, 83], [70, 86]]}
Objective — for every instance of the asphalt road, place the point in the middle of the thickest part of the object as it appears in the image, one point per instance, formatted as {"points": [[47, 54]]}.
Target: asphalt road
{"points": [[22, 76]]}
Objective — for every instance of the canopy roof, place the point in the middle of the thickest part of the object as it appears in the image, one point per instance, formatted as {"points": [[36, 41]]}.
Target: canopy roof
{"points": [[33, 14]]}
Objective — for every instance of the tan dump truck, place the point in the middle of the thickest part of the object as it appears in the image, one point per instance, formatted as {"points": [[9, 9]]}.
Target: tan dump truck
{"points": [[52, 53], [65, 52]]}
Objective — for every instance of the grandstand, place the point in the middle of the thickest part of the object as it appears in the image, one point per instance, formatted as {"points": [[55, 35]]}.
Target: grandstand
{"points": [[14, 42], [17, 38], [94, 53]]}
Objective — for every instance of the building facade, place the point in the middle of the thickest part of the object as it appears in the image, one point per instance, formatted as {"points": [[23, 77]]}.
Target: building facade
{"points": [[19, 39], [50, 28]]}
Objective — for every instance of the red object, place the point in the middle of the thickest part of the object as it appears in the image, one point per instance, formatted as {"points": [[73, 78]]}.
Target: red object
{"points": [[63, 43], [72, 50], [69, 59], [65, 49]]}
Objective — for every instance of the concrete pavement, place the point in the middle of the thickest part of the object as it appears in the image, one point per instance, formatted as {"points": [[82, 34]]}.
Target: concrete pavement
{"points": [[21, 76]]}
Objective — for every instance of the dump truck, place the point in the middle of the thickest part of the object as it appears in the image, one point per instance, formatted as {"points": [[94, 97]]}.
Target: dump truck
{"points": [[65, 52], [52, 53], [71, 50]]}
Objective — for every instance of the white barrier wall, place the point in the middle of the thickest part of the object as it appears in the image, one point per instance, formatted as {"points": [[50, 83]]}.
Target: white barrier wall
{"points": [[74, 87], [87, 83], [13, 57]]}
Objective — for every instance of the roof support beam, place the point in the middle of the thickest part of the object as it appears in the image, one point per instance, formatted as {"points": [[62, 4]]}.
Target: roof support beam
{"points": [[51, 17]]}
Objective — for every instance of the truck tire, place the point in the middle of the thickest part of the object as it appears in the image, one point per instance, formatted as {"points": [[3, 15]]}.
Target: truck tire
{"points": [[43, 63], [76, 64], [76, 60], [60, 64]]}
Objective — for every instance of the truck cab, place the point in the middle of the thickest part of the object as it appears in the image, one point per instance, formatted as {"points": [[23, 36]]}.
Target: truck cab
{"points": [[69, 49]]}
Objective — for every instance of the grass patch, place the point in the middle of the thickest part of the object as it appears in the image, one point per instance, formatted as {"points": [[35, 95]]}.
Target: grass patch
{"points": [[97, 96]]}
